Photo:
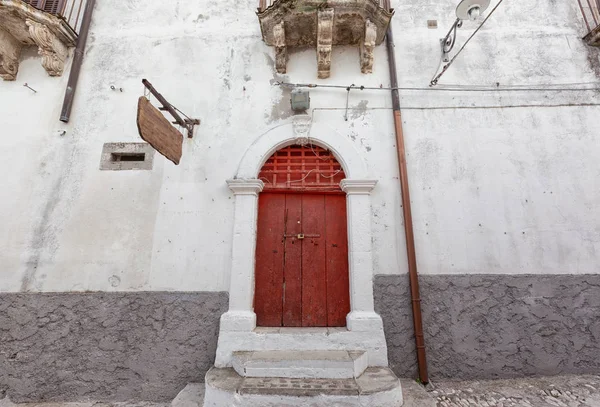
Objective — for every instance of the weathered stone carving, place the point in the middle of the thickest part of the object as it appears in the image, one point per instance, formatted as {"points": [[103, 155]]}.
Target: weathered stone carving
{"points": [[314, 23], [301, 124], [52, 50], [22, 25], [10, 51], [280, 48], [324, 41], [367, 46]]}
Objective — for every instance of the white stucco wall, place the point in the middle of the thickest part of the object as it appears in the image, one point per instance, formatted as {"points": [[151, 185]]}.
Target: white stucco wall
{"points": [[506, 189], [529, 172]]}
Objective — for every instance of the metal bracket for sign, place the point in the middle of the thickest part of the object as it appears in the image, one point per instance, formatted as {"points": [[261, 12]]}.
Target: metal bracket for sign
{"points": [[188, 123]]}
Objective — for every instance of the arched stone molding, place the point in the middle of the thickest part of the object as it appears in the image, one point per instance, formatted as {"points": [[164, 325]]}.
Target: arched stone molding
{"points": [[364, 326], [284, 135]]}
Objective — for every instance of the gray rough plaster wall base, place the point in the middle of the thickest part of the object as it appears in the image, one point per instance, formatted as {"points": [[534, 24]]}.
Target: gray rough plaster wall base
{"points": [[106, 346], [494, 326]]}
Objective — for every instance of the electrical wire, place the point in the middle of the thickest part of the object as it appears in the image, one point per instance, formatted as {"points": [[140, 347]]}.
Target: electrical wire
{"points": [[470, 107], [462, 88], [496, 106], [499, 89], [530, 85], [308, 173], [437, 78], [318, 172], [334, 174], [315, 153]]}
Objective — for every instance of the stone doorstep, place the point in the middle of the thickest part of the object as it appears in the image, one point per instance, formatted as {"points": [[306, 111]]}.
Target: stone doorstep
{"points": [[302, 339], [325, 364], [374, 380]]}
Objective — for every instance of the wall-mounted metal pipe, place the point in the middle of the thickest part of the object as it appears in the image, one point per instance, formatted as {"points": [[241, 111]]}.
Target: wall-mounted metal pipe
{"points": [[65, 114], [406, 209]]}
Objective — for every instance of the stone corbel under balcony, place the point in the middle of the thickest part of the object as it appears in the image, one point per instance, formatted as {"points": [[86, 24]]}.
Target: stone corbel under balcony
{"points": [[21, 26], [301, 23]]}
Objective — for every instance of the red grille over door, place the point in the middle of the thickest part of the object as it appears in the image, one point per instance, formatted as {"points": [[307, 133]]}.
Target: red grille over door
{"points": [[302, 168]]}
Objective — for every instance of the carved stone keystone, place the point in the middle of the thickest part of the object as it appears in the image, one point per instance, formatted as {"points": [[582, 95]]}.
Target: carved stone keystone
{"points": [[301, 124]]}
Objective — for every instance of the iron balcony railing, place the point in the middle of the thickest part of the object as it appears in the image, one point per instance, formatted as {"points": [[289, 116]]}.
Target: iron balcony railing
{"points": [[263, 4], [69, 10], [590, 9]]}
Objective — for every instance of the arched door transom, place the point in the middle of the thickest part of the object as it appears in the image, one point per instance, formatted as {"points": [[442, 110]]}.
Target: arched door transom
{"points": [[309, 168]]}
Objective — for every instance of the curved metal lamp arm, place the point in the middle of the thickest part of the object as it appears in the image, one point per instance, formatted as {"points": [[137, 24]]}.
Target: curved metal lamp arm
{"points": [[450, 39]]}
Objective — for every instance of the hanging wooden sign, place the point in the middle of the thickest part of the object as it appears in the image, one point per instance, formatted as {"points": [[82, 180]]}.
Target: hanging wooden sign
{"points": [[155, 129]]}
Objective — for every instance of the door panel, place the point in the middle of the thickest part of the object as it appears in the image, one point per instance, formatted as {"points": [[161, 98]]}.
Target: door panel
{"points": [[336, 242], [302, 281], [292, 291], [314, 281], [268, 296]]}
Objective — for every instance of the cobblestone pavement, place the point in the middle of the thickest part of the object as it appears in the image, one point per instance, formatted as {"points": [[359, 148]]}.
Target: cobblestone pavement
{"points": [[561, 391], [7, 403]]}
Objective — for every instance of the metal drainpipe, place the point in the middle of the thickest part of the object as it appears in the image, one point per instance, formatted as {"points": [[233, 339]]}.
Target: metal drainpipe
{"points": [[408, 224], [77, 61]]}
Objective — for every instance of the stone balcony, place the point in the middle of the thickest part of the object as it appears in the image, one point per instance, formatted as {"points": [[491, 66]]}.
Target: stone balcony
{"points": [[324, 24], [22, 25]]}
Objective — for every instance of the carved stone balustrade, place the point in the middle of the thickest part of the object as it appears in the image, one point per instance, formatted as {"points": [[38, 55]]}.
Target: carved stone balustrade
{"points": [[324, 24], [21, 25]]}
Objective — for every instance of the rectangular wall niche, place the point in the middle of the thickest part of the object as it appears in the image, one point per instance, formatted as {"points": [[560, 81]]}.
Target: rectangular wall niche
{"points": [[127, 156]]}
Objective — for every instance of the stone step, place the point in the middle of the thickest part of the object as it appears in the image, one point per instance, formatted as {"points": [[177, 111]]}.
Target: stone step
{"points": [[325, 364], [377, 386]]}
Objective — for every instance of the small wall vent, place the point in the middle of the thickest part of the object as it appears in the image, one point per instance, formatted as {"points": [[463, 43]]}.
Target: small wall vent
{"points": [[127, 156]]}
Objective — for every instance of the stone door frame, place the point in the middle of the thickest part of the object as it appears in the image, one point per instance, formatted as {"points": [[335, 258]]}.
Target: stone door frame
{"points": [[239, 322]]}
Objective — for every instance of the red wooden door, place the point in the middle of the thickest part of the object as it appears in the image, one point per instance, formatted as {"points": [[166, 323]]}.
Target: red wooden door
{"points": [[302, 260]]}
